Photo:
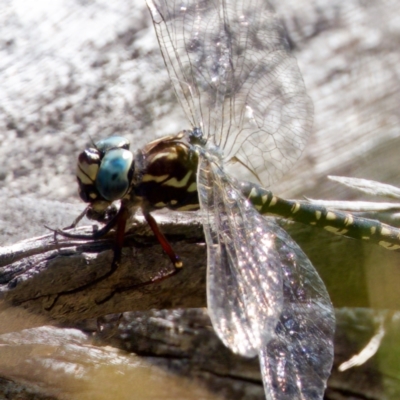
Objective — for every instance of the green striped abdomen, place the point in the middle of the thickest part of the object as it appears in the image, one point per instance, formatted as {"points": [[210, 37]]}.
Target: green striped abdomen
{"points": [[337, 222]]}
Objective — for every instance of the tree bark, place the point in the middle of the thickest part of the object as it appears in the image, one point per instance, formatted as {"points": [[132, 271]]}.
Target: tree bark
{"points": [[67, 280]]}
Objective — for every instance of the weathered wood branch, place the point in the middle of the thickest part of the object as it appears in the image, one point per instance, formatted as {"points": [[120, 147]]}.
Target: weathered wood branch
{"points": [[69, 280]]}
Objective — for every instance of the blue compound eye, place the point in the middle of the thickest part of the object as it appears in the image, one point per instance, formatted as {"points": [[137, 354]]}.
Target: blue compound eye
{"points": [[112, 180], [112, 142]]}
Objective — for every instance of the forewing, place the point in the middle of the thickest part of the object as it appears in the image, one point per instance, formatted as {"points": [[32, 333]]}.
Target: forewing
{"points": [[297, 362], [244, 292], [236, 80]]}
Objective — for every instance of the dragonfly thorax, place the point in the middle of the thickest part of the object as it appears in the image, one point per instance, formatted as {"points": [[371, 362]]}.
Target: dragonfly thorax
{"points": [[168, 172]]}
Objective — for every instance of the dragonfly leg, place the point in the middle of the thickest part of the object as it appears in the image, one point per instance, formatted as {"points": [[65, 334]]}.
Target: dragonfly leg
{"points": [[120, 221], [77, 219], [176, 261], [95, 235]]}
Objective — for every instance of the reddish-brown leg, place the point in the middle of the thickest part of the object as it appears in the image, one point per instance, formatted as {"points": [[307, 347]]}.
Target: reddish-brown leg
{"points": [[176, 261]]}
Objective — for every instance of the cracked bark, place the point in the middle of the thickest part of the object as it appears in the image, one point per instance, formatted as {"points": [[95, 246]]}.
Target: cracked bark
{"points": [[68, 280]]}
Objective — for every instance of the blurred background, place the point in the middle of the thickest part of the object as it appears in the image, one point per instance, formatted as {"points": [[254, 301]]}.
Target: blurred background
{"points": [[76, 70]]}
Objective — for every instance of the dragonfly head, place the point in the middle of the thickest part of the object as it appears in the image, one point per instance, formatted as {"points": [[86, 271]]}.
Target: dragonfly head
{"points": [[104, 171]]}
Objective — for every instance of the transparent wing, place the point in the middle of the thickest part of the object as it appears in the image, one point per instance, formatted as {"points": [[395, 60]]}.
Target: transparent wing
{"points": [[264, 296], [297, 362], [235, 79], [244, 277]]}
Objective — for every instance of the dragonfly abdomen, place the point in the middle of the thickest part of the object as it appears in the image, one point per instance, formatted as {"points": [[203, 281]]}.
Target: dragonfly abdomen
{"points": [[337, 222]]}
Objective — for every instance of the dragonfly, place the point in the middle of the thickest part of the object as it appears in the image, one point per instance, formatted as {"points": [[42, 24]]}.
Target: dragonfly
{"points": [[243, 94]]}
